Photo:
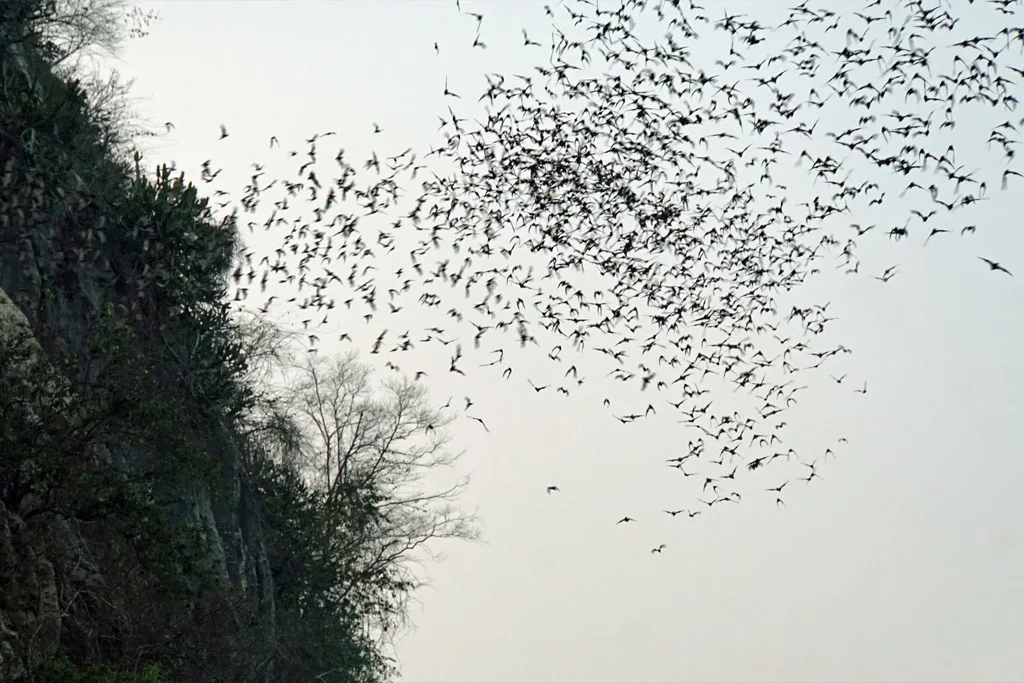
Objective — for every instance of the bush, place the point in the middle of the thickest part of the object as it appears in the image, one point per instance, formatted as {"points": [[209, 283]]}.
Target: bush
{"points": [[64, 671]]}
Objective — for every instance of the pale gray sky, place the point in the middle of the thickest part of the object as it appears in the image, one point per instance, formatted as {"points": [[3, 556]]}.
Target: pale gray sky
{"points": [[904, 563]]}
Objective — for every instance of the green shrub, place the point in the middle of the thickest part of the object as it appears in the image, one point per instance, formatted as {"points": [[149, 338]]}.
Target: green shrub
{"points": [[64, 671]]}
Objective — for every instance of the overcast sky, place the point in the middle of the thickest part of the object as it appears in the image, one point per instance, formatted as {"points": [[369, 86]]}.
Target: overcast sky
{"points": [[903, 563]]}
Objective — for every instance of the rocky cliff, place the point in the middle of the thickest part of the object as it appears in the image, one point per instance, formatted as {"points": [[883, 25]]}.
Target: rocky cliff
{"points": [[44, 562], [79, 243]]}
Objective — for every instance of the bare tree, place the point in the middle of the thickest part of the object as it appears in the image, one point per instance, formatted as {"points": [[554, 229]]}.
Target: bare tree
{"points": [[74, 36], [73, 29], [380, 447]]}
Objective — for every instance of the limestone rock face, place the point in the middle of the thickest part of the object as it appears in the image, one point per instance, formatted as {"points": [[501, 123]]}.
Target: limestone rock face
{"points": [[30, 613], [48, 287], [13, 322], [12, 667], [17, 335], [47, 634], [36, 569]]}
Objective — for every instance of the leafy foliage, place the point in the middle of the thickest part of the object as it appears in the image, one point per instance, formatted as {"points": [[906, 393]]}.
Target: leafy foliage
{"points": [[322, 633], [64, 671], [138, 399]]}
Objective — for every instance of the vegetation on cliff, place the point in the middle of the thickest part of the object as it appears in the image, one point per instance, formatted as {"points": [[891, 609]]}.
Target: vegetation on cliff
{"points": [[166, 515]]}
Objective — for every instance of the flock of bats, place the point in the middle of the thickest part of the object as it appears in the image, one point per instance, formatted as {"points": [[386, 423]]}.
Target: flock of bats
{"points": [[629, 198]]}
